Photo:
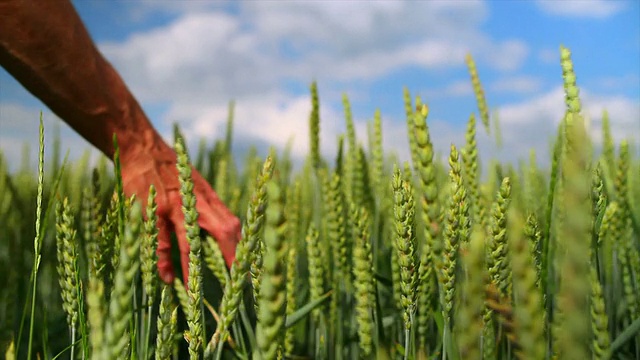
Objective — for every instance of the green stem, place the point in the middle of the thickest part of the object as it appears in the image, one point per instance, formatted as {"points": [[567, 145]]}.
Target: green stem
{"points": [[407, 334], [444, 338], [73, 342], [147, 331], [38, 238]]}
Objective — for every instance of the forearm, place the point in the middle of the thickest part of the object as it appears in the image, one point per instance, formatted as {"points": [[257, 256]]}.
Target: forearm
{"points": [[45, 46]]}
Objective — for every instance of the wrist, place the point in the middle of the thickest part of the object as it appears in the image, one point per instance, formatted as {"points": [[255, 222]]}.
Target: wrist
{"points": [[146, 146], [136, 136]]}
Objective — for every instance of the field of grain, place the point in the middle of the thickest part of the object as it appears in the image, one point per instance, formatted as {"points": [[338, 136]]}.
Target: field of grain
{"points": [[360, 256]]}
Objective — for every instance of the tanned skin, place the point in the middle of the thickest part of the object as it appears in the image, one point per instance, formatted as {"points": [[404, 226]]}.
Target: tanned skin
{"points": [[46, 47]]}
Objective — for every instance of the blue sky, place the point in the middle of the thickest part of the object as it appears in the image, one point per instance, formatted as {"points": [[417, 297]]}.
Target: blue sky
{"points": [[184, 60]]}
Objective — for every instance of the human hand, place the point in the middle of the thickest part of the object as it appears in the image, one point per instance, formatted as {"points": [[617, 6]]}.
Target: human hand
{"points": [[158, 167]]}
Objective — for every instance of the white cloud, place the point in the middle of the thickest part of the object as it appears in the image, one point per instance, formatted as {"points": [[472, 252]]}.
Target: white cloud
{"points": [[581, 8], [19, 127], [456, 88], [549, 56], [613, 83], [213, 55], [265, 122], [209, 55], [531, 124], [508, 55], [143, 9], [516, 84]]}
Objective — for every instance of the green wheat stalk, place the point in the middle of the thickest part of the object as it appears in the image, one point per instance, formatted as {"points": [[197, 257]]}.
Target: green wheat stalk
{"points": [[573, 265], [430, 255], [120, 305], [316, 276], [214, 260], [148, 261], [67, 266], [194, 289], [469, 314], [601, 341], [91, 220], [352, 153], [96, 316], [272, 301], [470, 161], [498, 245], [477, 89], [165, 333], [364, 283], [37, 241], [314, 127], [251, 233], [404, 209], [456, 231], [528, 310]]}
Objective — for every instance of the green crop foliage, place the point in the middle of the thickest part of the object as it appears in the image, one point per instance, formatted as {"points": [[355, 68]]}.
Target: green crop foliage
{"points": [[338, 259]]}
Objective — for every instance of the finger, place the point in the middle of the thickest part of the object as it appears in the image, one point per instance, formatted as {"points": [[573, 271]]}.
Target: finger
{"points": [[165, 266], [216, 219]]}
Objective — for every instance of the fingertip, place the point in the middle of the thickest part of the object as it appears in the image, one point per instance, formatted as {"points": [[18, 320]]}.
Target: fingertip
{"points": [[167, 277], [163, 251]]}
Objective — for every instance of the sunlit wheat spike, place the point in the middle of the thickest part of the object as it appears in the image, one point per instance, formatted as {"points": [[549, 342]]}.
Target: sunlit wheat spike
{"points": [[96, 316], [295, 245], [499, 268], [456, 231], [430, 259], [409, 112], [181, 293], [405, 244], [222, 180], [574, 250], [377, 158], [469, 322], [314, 127], [251, 233], [67, 257], [194, 281], [352, 151], [534, 236], [364, 283], [336, 225], [91, 218], [471, 171], [504, 312], [120, 306], [477, 89], [292, 286], [572, 93], [165, 335], [215, 261], [316, 276], [272, 301], [601, 343], [148, 258], [529, 318]]}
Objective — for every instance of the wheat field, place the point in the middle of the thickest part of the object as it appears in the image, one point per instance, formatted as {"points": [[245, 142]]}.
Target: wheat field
{"points": [[357, 257]]}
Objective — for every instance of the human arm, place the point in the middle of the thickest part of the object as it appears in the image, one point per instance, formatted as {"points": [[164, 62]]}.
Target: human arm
{"points": [[46, 47]]}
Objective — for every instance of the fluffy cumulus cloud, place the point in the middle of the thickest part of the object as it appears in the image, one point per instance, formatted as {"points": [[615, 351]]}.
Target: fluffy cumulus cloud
{"points": [[516, 84], [206, 57], [581, 8], [19, 132], [263, 53], [531, 124]]}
